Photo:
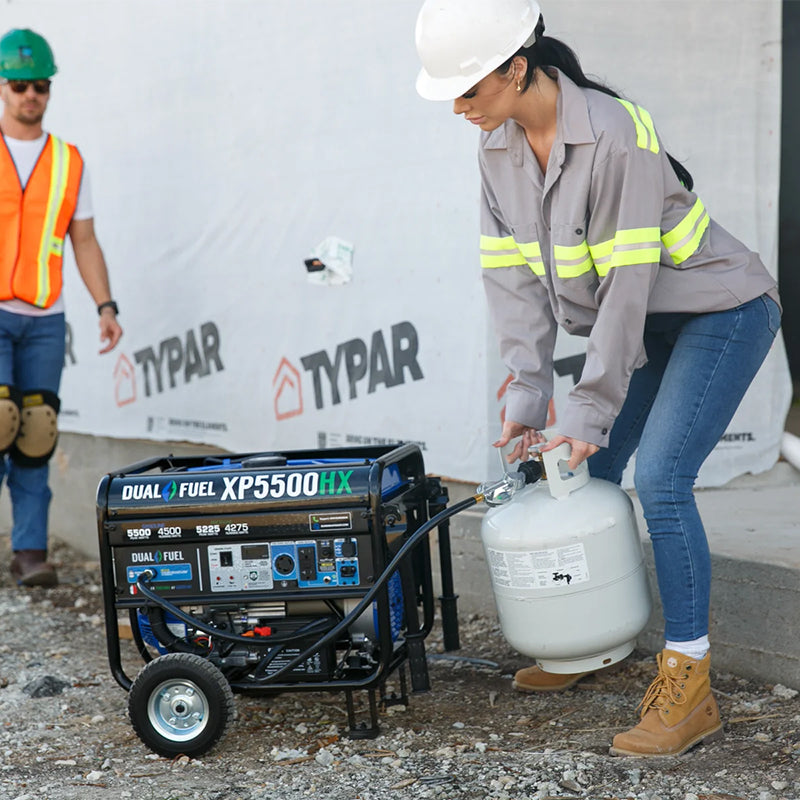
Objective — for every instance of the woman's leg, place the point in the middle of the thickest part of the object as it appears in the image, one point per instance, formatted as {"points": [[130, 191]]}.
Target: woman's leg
{"points": [[714, 360]]}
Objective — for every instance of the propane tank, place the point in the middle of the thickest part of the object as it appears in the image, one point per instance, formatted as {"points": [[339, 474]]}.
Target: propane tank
{"points": [[567, 568]]}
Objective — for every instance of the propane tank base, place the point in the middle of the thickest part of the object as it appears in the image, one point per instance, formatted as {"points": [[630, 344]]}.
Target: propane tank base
{"points": [[569, 666]]}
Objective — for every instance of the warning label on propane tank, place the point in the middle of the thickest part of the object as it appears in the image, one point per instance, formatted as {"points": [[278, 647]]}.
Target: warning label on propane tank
{"points": [[539, 569]]}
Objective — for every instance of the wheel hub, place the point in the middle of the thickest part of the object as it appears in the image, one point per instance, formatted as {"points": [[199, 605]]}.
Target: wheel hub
{"points": [[178, 710]]}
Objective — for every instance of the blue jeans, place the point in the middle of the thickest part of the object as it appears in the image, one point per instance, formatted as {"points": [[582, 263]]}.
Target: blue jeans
{"points": [[678, 406], [31, 357]]}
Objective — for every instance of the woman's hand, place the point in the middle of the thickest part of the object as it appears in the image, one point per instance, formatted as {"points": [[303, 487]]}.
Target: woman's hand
{"points": [[511, 430], [580, 450]]}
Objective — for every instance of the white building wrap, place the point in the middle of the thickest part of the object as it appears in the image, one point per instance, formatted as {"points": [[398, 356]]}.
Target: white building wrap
{"points": [[229, 142]]}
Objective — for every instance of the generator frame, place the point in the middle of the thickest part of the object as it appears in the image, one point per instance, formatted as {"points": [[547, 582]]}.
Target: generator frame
{"points": [[386, 518]]}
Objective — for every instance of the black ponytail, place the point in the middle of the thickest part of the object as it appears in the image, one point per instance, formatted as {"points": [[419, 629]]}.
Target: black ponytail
{"points": [[549, 52]]}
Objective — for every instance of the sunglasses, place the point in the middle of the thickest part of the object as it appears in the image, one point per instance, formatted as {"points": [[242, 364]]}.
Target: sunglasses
{"points": [[20, 87]]}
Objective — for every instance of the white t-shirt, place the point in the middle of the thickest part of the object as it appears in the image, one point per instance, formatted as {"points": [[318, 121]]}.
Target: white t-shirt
{"points": [[25, 153]]}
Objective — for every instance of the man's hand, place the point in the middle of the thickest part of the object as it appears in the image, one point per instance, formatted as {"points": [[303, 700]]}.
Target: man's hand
{"points": [[110, 330]]}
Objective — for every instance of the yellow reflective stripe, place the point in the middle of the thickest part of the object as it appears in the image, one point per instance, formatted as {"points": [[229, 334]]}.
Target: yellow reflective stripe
{"points": [[601, 250], [500, 251], [645, 130], [497, 242], [504, 251], [647, 121], [684, 239], [637, 236], [59, 171], [532, 253], [631, 246], [572, 261], [530, 250], [641, 255]]}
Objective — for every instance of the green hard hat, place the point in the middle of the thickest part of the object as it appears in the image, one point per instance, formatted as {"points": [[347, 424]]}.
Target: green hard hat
{"points": [[25, 56]]}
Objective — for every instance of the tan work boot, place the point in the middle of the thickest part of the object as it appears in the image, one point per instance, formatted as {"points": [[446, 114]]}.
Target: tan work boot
{"points": [[678, 710], [535, 679]]}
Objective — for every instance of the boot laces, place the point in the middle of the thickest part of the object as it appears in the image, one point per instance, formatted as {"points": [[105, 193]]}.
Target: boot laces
{"points": [[666, 690]]}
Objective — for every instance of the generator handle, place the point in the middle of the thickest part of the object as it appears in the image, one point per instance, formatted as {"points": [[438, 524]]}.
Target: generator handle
{"points": [[141, 466]]}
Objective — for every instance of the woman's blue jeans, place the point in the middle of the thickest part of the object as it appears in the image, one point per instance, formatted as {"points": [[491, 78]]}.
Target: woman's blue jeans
{"points": [[31, 357], [677, 408]]}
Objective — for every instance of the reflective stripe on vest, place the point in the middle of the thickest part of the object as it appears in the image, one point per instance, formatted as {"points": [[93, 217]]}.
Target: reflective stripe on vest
{"points": [[645, 130], [632, 246], [505, 251], [684, 239], [34, 223]]}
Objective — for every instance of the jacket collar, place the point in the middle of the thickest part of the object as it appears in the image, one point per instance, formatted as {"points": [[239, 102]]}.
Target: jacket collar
{"points": [[573, 123]]}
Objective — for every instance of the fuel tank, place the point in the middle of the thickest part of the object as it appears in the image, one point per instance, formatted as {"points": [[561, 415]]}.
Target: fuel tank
{"points": [[567, 569]]}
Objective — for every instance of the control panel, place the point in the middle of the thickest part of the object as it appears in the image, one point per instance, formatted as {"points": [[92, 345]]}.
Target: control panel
{"points": [[250, 566], [184, 568]]}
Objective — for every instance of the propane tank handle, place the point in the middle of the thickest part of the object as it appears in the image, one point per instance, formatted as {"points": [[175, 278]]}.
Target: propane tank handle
{"points": [[561, 484]]}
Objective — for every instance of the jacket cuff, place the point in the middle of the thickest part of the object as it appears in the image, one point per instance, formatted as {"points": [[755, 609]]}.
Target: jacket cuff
{"points": [[585, 424], [526, 408]]}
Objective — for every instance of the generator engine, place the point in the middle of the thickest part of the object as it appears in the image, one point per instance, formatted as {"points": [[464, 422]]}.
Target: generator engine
{"points": [[270, 572], [352, 654]]}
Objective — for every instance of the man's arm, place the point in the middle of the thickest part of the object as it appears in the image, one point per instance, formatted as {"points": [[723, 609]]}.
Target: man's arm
{"points": [[92, 267]]}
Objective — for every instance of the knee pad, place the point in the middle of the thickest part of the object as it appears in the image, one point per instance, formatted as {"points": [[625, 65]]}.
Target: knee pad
{"points": [[38, 430], [10, 416]]}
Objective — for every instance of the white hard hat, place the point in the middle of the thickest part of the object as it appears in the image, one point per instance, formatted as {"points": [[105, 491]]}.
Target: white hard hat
{"points": [[461, 41]]}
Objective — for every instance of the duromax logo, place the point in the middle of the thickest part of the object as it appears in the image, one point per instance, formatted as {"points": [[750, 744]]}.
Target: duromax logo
{"points": [[169, 491]]}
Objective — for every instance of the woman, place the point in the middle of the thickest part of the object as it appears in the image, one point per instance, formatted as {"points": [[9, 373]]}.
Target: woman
{"points": [[587, 223]]}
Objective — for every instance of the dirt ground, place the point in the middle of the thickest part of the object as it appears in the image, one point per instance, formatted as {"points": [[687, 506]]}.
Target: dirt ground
{"points": [[471, 736]]}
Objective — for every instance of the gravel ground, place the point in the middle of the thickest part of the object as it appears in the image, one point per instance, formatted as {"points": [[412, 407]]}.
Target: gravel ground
{"points": [[471, 736]]}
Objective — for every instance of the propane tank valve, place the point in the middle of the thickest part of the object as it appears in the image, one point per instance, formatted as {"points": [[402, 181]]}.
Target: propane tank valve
{"points": [[496, 493], [532, 470]]}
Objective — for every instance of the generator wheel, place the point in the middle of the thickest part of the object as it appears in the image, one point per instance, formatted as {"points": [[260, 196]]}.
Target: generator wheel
{"points": [[180, 704]]}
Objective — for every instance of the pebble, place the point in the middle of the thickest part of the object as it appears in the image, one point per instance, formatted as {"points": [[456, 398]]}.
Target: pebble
{"points": [[45, 686]]}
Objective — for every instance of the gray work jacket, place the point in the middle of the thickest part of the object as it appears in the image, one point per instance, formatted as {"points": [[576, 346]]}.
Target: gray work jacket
{"points": [[607, 236]]}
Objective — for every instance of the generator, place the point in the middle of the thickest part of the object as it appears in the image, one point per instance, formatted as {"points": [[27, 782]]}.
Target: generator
{"points": [[268, 572]]}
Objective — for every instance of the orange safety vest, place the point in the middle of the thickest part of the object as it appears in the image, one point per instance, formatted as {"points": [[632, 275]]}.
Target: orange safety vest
{"points": [[34, 222]]}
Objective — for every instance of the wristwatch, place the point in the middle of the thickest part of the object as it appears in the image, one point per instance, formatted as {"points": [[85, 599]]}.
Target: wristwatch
{"points": [[108, 304]]}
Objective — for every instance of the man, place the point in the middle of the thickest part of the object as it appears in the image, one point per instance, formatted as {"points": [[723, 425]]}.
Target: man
{"points": [[44, 195]]}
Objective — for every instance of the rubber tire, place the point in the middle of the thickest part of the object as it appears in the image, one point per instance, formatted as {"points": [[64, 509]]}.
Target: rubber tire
{"points": [[210, 692]]}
